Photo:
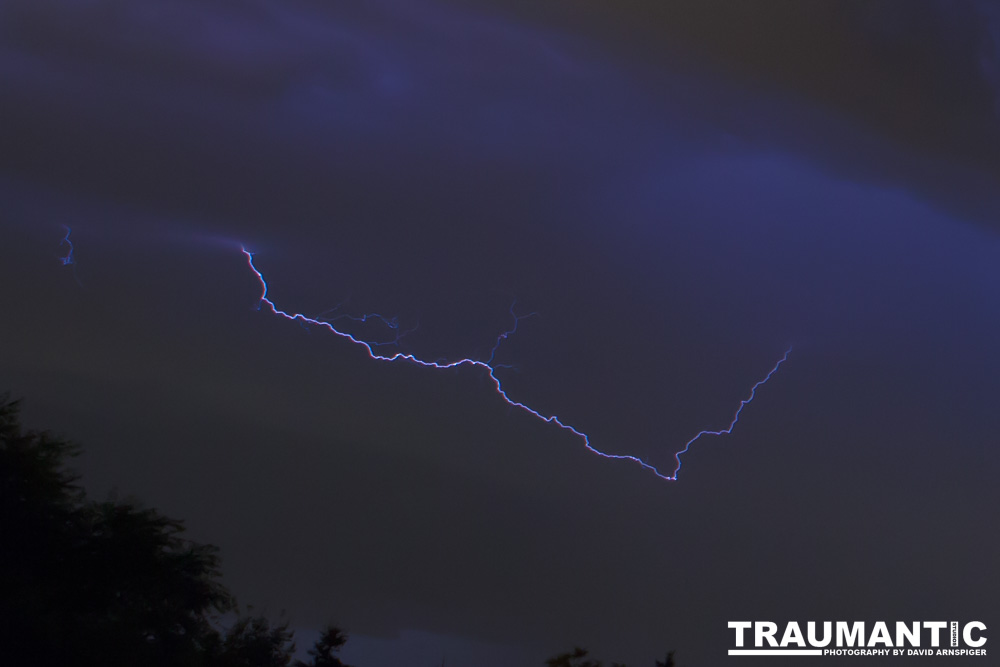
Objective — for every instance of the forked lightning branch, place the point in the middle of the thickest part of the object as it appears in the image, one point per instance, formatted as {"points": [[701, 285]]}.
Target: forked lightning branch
{"points": [[491, 369], [855, 638]]}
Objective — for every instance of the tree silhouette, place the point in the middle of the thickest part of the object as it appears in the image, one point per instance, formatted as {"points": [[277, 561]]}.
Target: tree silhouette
{"points": [[148, 592], [667, 662], [107, 583], [578, 658], [575, 658], [253, 642], [40, 523], [322, 652]]}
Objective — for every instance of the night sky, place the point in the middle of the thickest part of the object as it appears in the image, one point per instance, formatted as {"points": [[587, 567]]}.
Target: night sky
{"points": [[679, 190]]}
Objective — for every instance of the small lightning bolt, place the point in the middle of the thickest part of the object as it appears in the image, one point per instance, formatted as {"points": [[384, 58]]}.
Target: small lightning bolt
{"points": [[506, 334], [490, 368], [68, 259], [391, 323], [736, 417]]}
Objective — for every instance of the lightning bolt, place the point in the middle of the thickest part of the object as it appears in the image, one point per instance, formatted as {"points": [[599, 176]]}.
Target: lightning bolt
{"points": [[490, 368], [736, 417], [506, 334], [68, 259]]}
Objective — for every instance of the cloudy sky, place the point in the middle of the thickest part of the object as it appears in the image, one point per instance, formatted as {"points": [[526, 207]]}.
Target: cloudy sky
{"points": [[679, 191]]}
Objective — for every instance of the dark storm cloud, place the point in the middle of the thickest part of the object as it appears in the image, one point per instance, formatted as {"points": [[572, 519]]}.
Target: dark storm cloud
{"points": [[919, 77], [916, 71], [252, 109]]}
